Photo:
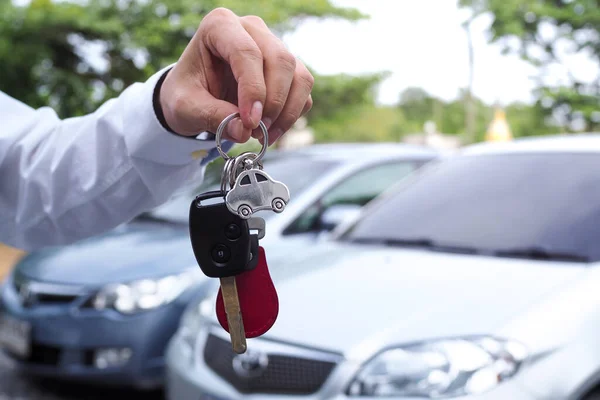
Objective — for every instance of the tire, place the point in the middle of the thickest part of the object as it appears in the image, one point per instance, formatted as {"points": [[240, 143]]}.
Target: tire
{"points": [[278, 205]]}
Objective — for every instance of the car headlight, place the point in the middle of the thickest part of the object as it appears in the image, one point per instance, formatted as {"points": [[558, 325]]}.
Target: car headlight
{"points": [[439, 369], [144, 294], [191, 321]]}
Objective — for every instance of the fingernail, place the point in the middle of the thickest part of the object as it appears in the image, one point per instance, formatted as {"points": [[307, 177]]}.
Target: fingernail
{"points": [[268, 122], [234, 130], [256, 113]]}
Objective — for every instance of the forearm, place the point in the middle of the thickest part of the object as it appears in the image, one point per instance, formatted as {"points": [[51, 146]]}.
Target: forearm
{"points": [[66, 180]]}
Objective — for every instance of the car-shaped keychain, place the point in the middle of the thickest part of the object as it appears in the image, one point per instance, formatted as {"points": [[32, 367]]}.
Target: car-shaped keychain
{"points": [[254, 190]]}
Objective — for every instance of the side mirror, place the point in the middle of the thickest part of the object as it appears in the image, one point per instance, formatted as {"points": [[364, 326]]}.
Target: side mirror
{"points": [[337, 214]]}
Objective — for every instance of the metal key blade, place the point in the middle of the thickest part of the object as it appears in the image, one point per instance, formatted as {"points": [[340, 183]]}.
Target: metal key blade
{"points": [[231, 303]]}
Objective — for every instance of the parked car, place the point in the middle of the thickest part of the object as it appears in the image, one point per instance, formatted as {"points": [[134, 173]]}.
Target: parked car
{"points": [[475, 278], [104, 309]]}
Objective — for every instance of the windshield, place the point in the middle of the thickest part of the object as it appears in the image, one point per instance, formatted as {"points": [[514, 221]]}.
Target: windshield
{"points": [[495, 203], [296, 172]]}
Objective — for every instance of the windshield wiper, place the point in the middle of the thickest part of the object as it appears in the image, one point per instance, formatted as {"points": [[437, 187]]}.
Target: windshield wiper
{"points": [[539, 253], [424, 243]]}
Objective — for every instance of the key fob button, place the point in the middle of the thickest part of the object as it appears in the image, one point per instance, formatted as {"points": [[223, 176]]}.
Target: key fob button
{"points": [[233, 232], [221, 254]]}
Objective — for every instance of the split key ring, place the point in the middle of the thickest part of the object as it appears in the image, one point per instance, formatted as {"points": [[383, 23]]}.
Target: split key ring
{"points": [[221, 128]]}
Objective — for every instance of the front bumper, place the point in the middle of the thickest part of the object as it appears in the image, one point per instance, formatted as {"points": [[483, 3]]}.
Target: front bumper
{"points": [[189, 378], [64, 338]]}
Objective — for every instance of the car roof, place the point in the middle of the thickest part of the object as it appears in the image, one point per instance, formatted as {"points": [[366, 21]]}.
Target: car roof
{"points": [[361, 151], [564, 143]]}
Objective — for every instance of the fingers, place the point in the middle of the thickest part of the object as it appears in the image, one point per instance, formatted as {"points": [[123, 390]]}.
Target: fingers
{"points": [[298, 103], [279, 67], [224, 35], [236, 65], [192, 111]]}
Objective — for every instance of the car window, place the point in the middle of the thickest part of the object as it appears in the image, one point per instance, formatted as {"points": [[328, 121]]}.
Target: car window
{"points": [[357, 189], [495, 203], [285, 170], [245, 180], [260, 177]]}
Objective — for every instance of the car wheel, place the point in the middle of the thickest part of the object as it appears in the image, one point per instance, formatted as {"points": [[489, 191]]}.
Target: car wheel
{"points": [[244, 211], [278, 205]]}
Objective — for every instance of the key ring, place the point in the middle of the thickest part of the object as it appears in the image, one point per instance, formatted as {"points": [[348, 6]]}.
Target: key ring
{"points": [[221, 128], [231, 169], [226, 174], [249, 161]]}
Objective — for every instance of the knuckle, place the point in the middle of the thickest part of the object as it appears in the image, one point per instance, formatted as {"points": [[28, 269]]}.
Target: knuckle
{"points": [[254, 87], [285, 59], [306, 79], [249, 51], [275, 103]]}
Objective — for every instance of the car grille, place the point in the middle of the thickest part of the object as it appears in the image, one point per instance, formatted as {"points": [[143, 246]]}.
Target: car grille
{"points": [[281, 374], [33, 293], [44, 355]]}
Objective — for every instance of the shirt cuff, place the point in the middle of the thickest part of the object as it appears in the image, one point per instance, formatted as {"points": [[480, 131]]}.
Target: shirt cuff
{"points": [[146, 138]]}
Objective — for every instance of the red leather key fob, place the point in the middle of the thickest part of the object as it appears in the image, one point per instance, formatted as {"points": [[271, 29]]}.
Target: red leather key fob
{"points": [[259, 303]]}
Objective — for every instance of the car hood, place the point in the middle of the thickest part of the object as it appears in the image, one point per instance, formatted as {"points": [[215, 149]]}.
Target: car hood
{"points": [[129, 252], [363, 297]]}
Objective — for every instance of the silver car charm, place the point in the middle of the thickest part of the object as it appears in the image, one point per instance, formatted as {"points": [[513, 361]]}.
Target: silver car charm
{"points": [[254, 190]]}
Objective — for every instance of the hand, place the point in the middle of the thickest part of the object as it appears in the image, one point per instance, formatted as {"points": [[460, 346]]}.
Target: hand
{"points": [[235, 64]]}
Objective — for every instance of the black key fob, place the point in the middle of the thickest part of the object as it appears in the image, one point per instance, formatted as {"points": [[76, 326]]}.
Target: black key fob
{"points": [[221, 240]]}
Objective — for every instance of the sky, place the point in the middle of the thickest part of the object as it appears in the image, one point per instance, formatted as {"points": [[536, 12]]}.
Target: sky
{"points": [[421, 43]]}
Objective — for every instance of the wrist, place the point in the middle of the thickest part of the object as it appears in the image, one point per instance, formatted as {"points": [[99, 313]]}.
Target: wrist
{"points": [[159, 105]]}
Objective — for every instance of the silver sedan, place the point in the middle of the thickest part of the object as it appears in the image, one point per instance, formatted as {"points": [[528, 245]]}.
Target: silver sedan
{"points": [[477, 279]]}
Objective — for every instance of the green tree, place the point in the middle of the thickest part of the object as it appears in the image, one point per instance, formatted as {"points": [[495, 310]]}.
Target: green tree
{"points": [[540, 28], [344, 107], [368, 123], [44, 46], [417, 106]]}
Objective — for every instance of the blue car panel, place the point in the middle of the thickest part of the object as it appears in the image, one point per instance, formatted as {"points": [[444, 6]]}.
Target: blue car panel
{"points": [[65, 332]]}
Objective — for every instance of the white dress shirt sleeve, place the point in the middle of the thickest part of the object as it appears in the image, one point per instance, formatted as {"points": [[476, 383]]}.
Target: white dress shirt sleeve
{"points": [[66, 180]]}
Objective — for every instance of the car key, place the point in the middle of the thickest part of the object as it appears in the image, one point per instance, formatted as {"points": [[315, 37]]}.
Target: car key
{"points": [[228, 301], [223, 247], [221, 240]]}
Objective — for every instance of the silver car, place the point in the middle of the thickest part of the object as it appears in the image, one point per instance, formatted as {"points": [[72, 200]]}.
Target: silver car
{"points": [[477, 279], [255, 190]]}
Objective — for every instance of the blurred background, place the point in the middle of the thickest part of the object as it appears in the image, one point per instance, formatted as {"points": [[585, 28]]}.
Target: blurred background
{"points": [[439, 73], [443, 73]]}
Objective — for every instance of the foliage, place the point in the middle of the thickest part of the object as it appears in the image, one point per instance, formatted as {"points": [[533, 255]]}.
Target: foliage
{"points": [[367, 123], [45, 46], [417, 106], [543, 32], [344, 108]]}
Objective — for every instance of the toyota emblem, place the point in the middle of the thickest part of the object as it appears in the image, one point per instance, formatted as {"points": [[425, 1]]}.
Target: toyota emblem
{"points": [[250, 364]]}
